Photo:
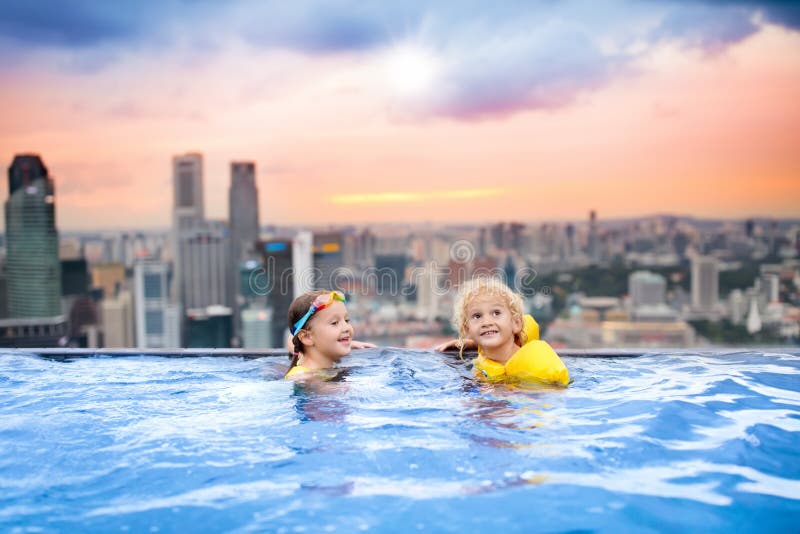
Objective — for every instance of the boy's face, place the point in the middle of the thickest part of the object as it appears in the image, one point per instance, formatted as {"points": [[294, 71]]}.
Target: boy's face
{"points": [[331, 332], [490, 323]]}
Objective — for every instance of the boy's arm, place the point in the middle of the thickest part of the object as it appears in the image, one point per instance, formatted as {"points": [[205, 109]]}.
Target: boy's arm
{"points": [[456, 344]]}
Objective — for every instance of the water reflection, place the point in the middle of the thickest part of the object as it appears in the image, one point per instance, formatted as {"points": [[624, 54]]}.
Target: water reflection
{"points": [[318, 397]]}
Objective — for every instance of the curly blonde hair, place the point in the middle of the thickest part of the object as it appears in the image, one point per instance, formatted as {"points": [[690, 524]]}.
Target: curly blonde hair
{"points": [[481, 287]]}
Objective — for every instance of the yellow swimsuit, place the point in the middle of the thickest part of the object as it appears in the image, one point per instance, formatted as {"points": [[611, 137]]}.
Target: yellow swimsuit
{"points": [[296, 370], [535, 361], [325, 374]]}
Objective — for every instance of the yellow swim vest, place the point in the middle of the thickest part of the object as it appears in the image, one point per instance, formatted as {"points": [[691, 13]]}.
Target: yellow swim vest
{"points": [[535, 361]]}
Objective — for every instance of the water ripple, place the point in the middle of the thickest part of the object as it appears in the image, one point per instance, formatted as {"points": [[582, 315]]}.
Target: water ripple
{"points": [[667, 441]]}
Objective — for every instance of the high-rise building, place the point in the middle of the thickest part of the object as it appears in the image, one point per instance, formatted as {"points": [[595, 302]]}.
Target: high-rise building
{"points": [[497, 233], [110, 277], [288, 272], [705, 283], [753, 318], [646, 289], [187, 181], [83, 317], [390, 270], [302, 264], [157, 321], [249, 293], [569, 231], [484, 266], [187, 210], [515, 231], [737, 306], [365, 254], [243, 221], [203, 250], [429, 292], [3, 289], [770, 287], [257, 328], [209, 327], [593, 245], [74, 277], [328, 259], [243, 210], [32, 265], [648, 298], [458, 272], [277, 283], [118, 322]]}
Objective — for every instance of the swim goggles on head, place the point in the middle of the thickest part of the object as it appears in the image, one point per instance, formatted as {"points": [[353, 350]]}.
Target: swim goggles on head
{"points": [[322, 301]]}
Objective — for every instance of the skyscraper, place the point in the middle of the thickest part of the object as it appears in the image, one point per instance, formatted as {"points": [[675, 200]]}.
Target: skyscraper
{"points": [[187, 181], [209, 327], [257, 328], [288, 272], [157, 321], [328, 259], [243, 220], [32, 265], [646, 289], [204, 265], [593, 245], [705, 283], [243, 210], [117, 313], [187, 210], [110, 277], [3, 290]]}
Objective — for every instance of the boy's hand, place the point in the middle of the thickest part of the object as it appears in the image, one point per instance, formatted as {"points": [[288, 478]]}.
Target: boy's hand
{"points": [[456, 344]]}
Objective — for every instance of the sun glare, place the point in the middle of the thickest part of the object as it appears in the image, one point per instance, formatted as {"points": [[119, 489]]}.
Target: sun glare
{"points": [[412, 70]]}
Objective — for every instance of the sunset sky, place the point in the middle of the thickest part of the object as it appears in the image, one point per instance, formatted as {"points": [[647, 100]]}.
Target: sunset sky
{"points": [[409, 110]]}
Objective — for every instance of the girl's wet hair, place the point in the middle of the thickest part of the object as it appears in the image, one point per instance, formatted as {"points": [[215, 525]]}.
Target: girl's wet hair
{"points": [[482, 287], [297, 310]]}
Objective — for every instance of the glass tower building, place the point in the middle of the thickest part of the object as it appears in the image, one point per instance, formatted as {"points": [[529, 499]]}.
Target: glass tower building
{"points": [[32, 265]]}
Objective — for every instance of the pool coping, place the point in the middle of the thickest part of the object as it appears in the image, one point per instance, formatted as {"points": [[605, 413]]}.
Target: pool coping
{"points": [[610, 352]]}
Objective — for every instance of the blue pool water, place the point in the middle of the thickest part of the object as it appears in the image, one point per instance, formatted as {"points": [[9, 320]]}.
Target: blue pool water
{"points": [[406, 441]]}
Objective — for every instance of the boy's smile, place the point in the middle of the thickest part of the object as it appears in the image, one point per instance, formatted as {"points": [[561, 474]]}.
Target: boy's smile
{"points": [[491, 325]]}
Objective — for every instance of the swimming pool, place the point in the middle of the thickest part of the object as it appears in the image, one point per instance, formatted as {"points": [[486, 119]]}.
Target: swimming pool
{"points": [[406, 441]]}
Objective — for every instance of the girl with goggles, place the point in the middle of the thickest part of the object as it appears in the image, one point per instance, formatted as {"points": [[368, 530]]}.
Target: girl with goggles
{"points": [[321, 332]]}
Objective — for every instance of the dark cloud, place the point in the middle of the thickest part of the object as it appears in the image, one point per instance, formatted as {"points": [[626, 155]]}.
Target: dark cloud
{"points": [[711, 28], [335, 25], [77, 23], [783, 13]]}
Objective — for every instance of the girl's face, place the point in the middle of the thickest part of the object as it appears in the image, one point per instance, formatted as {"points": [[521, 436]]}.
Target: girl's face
{"points": [[331, 332], [490, 323]]}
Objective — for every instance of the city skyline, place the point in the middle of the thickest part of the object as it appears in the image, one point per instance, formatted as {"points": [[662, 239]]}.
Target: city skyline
{"points": [[409, 113]]}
